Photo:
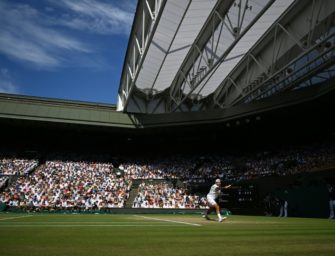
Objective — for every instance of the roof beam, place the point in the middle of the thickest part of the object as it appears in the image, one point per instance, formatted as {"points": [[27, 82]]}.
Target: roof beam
{"points": [[139, 59], [238, 34], [273, 59]]}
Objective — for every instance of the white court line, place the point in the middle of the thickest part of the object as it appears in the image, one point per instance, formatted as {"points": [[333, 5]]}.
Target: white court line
{"points": [[73, 226], [172, 221], [79, 222], [10, 218]]}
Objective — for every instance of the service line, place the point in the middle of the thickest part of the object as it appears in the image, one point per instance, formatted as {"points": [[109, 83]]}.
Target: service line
{"points": [[172, 221], [11, 218]]}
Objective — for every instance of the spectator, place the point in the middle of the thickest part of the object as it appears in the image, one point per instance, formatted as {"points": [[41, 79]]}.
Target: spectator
{"points": [[331, 192]]}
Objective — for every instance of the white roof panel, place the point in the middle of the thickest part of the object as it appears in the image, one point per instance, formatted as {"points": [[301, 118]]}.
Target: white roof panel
{"points": [[168, 24], [243, 46], [171, 44]]}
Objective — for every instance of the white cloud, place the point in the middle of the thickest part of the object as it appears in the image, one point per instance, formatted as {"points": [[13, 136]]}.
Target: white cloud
{"points": [[24, 37], [26, 51], [52, 35], [6, 83], [97, 16]]}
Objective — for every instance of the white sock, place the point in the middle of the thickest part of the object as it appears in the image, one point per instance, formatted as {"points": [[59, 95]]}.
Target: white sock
{"points": [[219, 215]]}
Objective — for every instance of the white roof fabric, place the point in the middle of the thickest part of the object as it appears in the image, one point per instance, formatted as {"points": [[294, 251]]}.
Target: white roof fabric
{"points": [[243, 46], [178, 27], [180, 24]]}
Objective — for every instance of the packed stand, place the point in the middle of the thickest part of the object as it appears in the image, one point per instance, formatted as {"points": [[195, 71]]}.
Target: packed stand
{"points": [[164, 195], [69, 186], [187, 168], [13, 166], [83, 185], [233, 168], [288, 162], [138, 170]]}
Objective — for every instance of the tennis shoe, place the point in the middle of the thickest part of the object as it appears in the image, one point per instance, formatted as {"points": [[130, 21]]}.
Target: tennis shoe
{"points": [[222, 219]]}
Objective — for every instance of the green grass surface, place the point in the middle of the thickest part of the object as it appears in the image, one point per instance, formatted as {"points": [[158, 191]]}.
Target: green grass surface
{"points": [[124, 235]]}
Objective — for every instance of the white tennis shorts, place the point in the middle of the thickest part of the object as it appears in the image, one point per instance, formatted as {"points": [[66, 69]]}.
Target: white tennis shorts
{"points": [[211, 201]]}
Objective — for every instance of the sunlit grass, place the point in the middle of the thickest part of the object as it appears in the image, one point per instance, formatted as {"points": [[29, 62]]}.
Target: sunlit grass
{"points": [[65, 234]]}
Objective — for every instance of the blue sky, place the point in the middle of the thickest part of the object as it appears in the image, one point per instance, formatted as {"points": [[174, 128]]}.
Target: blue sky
{"points": [[67, 49]]}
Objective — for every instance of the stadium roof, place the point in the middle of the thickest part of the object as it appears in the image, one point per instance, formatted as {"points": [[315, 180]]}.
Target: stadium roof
{"points": [[194, 55], [25, 109]]}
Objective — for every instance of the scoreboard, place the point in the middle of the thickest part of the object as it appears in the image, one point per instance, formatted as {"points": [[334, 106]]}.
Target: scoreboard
{"points": [[240, 196]]}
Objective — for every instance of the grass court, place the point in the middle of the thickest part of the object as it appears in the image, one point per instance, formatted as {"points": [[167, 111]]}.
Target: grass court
{"points": [[160, 235]]}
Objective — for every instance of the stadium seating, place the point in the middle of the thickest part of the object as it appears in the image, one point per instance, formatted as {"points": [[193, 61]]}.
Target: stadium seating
{"points": [[88, 186]]}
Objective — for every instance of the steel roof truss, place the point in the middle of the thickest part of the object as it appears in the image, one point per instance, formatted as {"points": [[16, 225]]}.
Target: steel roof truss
{"points": [[137, 51], [251, 86], [310, 68], [206, 71]]}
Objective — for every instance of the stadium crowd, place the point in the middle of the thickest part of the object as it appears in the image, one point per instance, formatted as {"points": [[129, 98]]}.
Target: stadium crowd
{"points": [[83, 185], [69, 185], [164, 195], [13, 166], [204, 168]]}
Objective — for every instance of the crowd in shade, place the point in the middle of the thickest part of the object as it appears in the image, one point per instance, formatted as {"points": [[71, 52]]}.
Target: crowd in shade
{"points": [[232, 168], [85, 185], [142, 171], [289, 162], [184, 167], [164, 195], [13, 166]]}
